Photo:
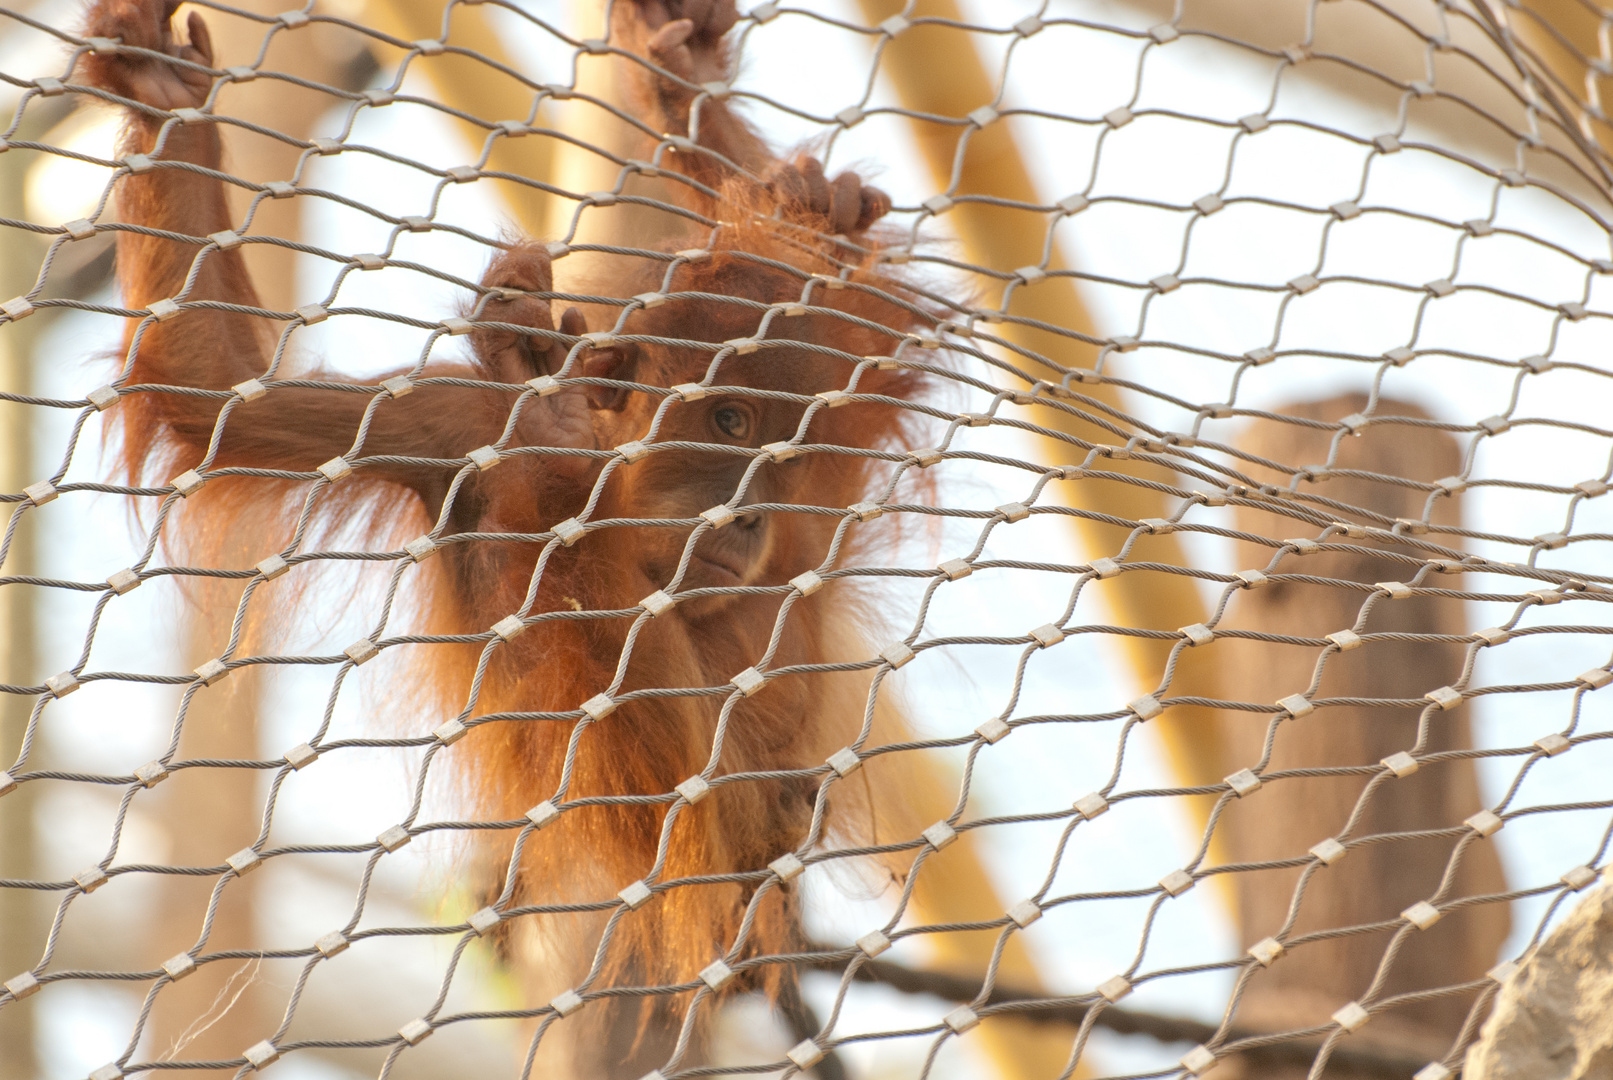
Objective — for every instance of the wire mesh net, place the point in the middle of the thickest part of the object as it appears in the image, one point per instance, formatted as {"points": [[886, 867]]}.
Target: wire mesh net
{"points": [[1092, 618]]}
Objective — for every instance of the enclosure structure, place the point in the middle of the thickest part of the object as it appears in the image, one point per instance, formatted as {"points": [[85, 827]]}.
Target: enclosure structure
{"points": [[1203, 681]]}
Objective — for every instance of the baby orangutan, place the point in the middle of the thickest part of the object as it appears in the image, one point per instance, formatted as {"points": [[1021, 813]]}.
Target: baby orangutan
{"points": [[654, 495]]}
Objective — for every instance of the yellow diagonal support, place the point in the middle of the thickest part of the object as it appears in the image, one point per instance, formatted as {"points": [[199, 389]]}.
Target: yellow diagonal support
{"points": [[473, 87], [953, 888], [1563, 37], [1005, 238]]}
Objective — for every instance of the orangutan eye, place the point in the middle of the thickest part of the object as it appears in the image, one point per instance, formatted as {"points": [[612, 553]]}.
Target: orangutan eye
{"points": [[733, 421]]}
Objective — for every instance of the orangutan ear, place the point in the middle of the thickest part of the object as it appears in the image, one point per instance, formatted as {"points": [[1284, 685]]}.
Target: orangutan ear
{"points": [[614, 362], [607, 362], [571, 322], [517, 274]]}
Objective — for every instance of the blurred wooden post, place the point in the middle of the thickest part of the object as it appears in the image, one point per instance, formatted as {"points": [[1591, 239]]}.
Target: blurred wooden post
{"points": [[24, 914], [1286, 817], [212, 813]]}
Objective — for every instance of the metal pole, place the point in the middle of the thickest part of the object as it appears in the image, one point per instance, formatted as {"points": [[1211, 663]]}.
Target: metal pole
{"points": [[24, 913]]}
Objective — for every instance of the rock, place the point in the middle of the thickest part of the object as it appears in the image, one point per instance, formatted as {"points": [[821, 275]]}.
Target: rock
{"points": [[1553, 1019]]}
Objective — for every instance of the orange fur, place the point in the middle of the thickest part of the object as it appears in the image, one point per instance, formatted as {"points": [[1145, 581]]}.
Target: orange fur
{"points": [[616, 797]]}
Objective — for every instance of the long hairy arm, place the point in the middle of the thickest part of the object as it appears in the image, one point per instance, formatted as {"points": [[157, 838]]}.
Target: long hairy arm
{"points": [[179, 204], [688, 56]]}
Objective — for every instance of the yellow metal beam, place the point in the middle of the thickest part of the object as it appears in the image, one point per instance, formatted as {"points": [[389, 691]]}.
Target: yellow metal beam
{"points": [[1006, 238], [473, 87], [1565, 37], [1001, 237]]}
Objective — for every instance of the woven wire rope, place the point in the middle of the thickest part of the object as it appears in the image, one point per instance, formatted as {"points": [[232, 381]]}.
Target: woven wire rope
{"points": [[1210, 311]]}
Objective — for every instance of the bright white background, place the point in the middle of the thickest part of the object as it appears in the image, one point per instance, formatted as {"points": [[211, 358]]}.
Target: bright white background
{"points": [[820, 69]]}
